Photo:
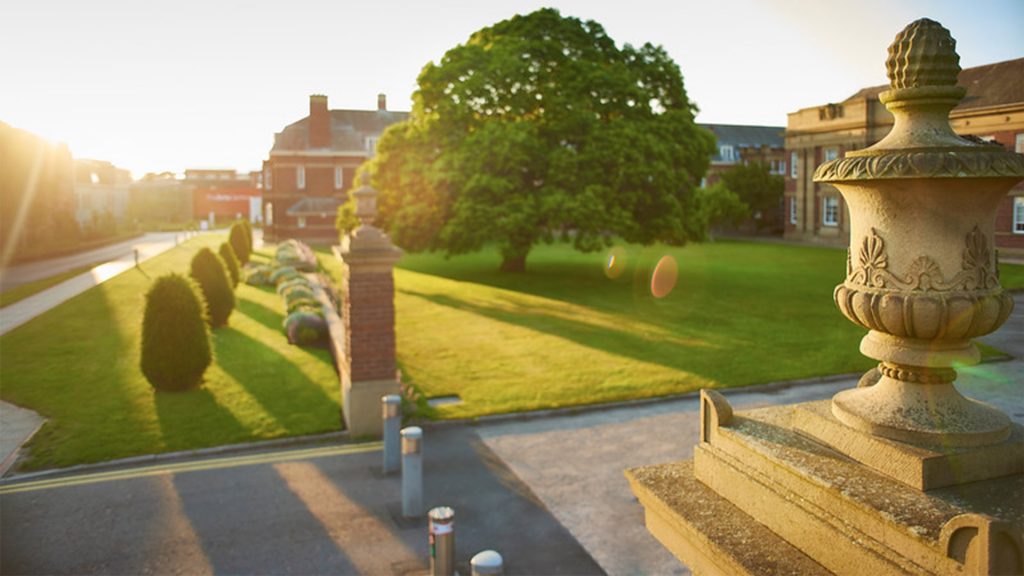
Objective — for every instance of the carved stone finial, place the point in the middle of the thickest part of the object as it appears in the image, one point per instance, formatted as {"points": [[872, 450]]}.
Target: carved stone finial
{"points": [[923, 54]]}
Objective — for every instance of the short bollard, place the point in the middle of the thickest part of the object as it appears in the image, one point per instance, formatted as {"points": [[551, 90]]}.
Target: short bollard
{"points": [[487, 563], [412, 472], [136, 257], [392, 406], [442, 541]]}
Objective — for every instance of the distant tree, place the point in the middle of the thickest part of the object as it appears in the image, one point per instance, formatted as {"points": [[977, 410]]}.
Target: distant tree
{"points": [[718, 205], [209, 272], [175, 339], [760, 190], [541, 127]]}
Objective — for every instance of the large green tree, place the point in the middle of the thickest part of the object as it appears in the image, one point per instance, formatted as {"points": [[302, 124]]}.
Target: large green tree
{"points": [[541, 127]]}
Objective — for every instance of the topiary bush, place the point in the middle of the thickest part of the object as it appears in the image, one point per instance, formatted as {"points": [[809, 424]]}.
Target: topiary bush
{"points": [[247, 226], [240, 242], [227, 254], [208, 270], [175, 339]]}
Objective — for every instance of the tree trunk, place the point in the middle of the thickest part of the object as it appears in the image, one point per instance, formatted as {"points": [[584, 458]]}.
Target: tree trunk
{"points": [[515, 263], [513, 256]]}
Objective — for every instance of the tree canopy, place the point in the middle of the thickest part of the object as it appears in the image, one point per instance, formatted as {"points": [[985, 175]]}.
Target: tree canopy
{"points": [[541, 127]]}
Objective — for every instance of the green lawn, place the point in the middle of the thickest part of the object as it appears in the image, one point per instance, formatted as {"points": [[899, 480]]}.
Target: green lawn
{"points": [[78, 365], [565, 333], [25, 290]]}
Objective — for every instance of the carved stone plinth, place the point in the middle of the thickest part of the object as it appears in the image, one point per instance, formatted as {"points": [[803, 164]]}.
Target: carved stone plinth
{"points": [[762, 498]]}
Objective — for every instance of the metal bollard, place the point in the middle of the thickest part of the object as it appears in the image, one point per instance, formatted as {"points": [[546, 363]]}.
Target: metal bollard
{"points": [[487, 563], [412, 472], [136, 257], [442, 541], [392, 407]]}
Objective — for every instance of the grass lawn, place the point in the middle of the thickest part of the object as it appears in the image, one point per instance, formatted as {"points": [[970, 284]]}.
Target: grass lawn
{"points": [[78, 365], [565, 333], [25, 290]]}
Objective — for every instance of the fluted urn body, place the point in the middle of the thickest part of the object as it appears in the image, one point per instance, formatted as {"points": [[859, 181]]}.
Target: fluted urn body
{"points": [[922, 273]]}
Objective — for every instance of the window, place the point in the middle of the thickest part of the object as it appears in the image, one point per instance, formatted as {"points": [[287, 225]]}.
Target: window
{"points": [[792, 209], [267, 180], [339, 177], [371, 145], [727, 153], [302, 221], [300, 177], [831, 153], [792, 165], [1018, 212], [269, 218], [1018, 147], [830, 211], [778, 167]]}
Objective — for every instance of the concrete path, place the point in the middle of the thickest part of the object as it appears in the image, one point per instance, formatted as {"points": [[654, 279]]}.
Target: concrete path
{"points": [[16, 314], [17, 425]]}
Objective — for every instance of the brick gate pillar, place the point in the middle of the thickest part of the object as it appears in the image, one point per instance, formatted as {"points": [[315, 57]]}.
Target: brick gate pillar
{"points": [[368, 370]]}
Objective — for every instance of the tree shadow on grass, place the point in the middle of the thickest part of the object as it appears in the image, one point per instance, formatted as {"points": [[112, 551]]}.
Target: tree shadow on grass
{"points": [[297, 404], [671, 353], [260, 313], [194, 418]]}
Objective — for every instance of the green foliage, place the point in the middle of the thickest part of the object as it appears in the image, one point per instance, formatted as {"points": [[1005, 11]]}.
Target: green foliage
{"points": [[346, 220], [227, 254], [241, 242], [537, 127], [208, 270], [758, 189], [305, 327], [259, 275], [719, 205], [175, 339], [247, 226], [284, 274]]}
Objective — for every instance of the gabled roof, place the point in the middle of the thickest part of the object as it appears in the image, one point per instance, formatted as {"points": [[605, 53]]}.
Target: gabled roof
{"points": [[349, 129], [742, 136], [995, 84]]}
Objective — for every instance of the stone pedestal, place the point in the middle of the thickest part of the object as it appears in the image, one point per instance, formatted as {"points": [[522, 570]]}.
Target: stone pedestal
{"points": [[901, 475], [762, 498], [368, 371]]}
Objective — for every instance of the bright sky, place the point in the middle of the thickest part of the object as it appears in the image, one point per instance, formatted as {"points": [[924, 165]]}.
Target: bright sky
{"points": [[168, 85]]}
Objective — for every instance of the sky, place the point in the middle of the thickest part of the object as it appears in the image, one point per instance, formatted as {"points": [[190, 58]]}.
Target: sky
{"points": [[157, 85]]}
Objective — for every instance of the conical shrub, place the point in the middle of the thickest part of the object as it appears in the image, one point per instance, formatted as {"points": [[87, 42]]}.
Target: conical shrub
{"points": [[248, 233], [240, 242], [227, 254], [175, 339], [208, 270]]}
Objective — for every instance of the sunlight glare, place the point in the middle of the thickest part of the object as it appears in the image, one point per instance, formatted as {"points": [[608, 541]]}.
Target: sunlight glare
{"points": [[664, 277]]}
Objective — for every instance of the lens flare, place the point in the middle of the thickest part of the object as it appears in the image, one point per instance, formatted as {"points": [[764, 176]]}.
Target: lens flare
{"points": [[615, 263], [664, 277]]}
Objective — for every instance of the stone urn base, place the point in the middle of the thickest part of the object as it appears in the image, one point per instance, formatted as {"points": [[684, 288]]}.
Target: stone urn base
{"points": [[761, 497]]}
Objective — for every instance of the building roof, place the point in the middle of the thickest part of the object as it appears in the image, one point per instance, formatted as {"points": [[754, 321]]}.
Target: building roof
{"points": [[310, 206], [995, 84], [349, 130], [748, 136]]}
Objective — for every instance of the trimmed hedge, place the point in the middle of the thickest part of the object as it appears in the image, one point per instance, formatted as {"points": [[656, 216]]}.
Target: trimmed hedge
{"points": [[241, 242], [208, 270], [176, 346], [227, 254]]}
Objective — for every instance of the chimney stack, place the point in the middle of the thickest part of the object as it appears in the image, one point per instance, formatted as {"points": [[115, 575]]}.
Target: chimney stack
{"points": [[319, 122], [382, 102]]}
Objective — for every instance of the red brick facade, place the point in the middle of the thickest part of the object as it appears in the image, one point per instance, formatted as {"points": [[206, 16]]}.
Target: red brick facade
{"points": [[370, 325]]}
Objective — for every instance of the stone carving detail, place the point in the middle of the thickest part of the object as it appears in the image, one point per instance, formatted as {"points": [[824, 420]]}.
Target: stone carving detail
{"points": [[985, 162], [924, 275]]}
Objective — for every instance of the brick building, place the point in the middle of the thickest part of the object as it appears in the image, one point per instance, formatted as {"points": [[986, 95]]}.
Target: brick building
{"points": [[992, 110], [737, 144], [221, 196], [312, 164]]}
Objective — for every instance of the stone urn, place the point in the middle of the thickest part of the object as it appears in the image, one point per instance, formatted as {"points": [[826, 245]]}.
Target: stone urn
{"points": [[922, 271]]}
